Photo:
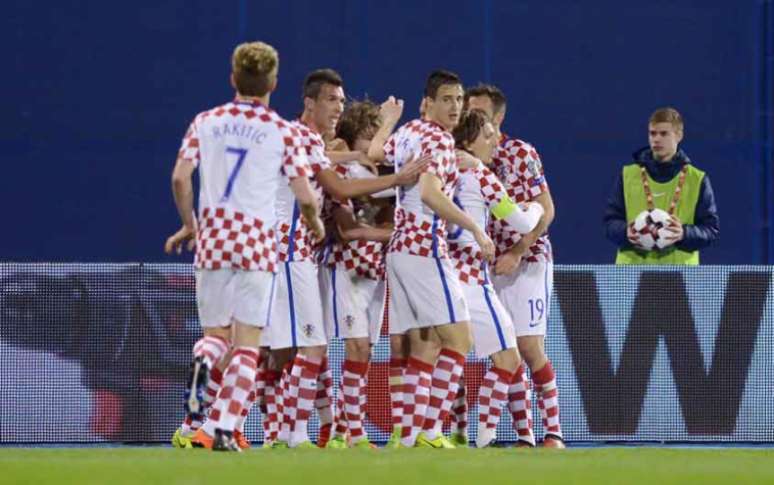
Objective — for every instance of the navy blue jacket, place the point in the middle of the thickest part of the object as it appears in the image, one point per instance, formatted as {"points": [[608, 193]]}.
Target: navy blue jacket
{"points": [[706, 227]]}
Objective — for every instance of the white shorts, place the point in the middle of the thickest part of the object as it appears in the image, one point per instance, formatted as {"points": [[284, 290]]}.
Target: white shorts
{"points": [[352, 305], [296, 317], [492, 327], [424, 292], [226, 294], [526, 295]]}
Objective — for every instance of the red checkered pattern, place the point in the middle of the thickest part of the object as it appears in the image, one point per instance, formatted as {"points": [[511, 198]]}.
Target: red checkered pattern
{"points": [[193, 422], [413, 234], [520, 406], [518, 165], [491, 396], [211, 350], [238, 382], [469, 263], [446, 379], [311, 144], [300, 396], [229, 239], [285, 423], [417, 379], [271, 417], [459, 411], [548, 399], [323, 402], [397, 368], [256, 396], [413, 226], [353, 391]]}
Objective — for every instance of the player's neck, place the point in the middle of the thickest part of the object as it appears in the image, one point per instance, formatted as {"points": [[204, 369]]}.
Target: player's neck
{"points": [[308, 120], [264, 100]]}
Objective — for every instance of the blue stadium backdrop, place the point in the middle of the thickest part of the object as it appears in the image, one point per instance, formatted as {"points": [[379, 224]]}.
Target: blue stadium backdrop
{"points": [[96, 96], [99, 353]]}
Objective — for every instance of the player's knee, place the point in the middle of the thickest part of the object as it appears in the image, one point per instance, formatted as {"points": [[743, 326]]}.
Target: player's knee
{"points": [[358, 349], [533, 355], [508, 360], [316, 352]]}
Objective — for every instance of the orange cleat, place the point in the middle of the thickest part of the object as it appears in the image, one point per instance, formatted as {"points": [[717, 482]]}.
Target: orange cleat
{"points": [[242, 440], [553, 441], [202, 440]]}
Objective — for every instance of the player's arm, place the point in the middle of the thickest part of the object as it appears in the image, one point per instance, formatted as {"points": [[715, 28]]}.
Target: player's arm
{"points": [[508, 262], [391, 111], [182, 190], [337, 157], [504, 208], [350, 229], [307, 203], [431, 192], [341, 189]]}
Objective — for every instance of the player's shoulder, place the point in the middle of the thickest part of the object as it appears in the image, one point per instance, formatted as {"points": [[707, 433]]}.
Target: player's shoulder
{"points": [[307, 133], [516, 148], [434, 134]]}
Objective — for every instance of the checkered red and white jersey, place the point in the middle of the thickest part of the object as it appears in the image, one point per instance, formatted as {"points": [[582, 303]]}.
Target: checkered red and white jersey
{"points": [[517, 164], [365, 258], [242, 149], [418, 230], [295, 240], [478, 189]]}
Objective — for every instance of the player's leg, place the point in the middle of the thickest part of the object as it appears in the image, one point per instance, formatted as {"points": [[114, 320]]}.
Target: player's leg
{"points": [[399, 354], [251, 311]]}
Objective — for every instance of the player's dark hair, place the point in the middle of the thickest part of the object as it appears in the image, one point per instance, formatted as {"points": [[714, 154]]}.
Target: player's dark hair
{"points": [[316, 79], [439, 78], [493, 92], [470, 126], [358, 119]]}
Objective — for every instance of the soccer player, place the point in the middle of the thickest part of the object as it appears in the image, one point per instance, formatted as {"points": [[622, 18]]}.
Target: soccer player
{"points": [[480, 193], [524, 272], [297, 320], [352, 282], [426, 300], [244, 152]]}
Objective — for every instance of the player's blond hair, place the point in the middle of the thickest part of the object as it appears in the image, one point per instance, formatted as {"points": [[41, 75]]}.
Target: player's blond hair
{"points": [[254, 65], [667, 115]]}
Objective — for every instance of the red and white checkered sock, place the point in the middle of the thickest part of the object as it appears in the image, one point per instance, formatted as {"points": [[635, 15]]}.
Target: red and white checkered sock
{"points": [[285, 421], [238, 383], [459, 411], [190, 424], [397, 368], [352, 381], [548, 399], [491, 396], [323, 403], [416, 396], [271, 416], [445, 383], [211, 350], [259, 387], [520, 406], [302, 391]]}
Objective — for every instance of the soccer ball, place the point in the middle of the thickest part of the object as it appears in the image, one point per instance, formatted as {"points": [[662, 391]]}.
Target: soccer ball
{"points": [[651, 227]]}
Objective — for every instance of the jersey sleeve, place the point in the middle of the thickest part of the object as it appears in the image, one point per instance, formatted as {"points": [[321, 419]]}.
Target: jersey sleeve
{"points": [[189, 148], [441, 150], [530, 169], [295, 162], [389, 150], [492, 190]]}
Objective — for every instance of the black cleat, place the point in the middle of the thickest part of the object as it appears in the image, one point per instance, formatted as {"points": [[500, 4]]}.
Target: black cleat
{"points": [[224, 441], [196, 387]]}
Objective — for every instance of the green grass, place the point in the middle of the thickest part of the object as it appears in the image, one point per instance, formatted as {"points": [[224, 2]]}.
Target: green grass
{"points": [[657, 466]]}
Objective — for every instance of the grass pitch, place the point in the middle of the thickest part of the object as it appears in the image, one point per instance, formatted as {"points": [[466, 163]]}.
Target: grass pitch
{"points": [[166, 466]]}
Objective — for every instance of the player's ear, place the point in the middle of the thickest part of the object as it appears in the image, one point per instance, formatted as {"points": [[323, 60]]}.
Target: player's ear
{"points": [[308, 103], [232, 80], [499, 117], [679, 135]]}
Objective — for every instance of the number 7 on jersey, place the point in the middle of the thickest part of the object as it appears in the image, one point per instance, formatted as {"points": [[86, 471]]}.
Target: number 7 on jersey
{"points": [[241, 154]]}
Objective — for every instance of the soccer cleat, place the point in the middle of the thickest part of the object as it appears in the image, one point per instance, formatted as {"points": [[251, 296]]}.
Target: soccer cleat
{"points": [[305, 445], [180, 441], [336, 443], [241, 440], [440, 442], [553, 441], [267, 445], [201, 439], [324, 435], [224, 441], [279, 445], [460, 440], [364, 444], [196, 387], [523, 444], [486, 437], [394, 440]]}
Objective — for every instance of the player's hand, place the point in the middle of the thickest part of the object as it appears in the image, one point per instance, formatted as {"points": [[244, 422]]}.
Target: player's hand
{"points": [[633, 237], [391, 110], [507, 263], [336, 145], [410, 172], [676, 231], [176, 241], [317, 228], [465, 159], [486, 244]]}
